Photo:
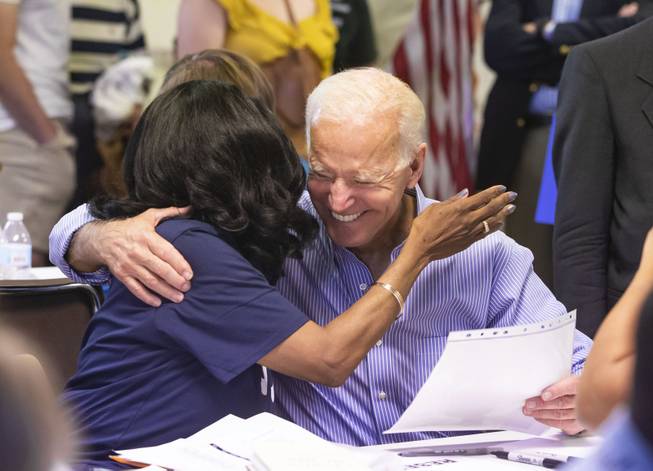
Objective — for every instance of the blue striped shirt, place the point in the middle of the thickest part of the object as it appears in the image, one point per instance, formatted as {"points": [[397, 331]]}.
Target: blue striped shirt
{"points": [[491, 284]]}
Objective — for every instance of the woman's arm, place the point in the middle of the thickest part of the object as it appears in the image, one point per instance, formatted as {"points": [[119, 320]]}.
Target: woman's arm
{"points": [[201, 24], [607, 377], [329, 354]]}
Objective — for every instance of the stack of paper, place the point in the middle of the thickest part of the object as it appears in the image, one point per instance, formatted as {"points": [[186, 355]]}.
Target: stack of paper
{"points": [[263, 443]]}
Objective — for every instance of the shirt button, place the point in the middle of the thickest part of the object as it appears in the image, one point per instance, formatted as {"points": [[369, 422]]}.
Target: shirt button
{"points": [[379, 343], [382, 395], [363, 286]]}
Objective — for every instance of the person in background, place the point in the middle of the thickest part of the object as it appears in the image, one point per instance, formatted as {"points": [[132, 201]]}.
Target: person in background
{"points": [[627, 377], [103, 32], [34, 430], [223, 65], [292, 40], [601, 157], [357, 189], [356, 46], [37, 171], [608, 376], [526, 44]]}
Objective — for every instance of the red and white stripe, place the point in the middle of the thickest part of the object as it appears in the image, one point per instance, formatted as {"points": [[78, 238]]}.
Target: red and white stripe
{"points": [[435, 59]]}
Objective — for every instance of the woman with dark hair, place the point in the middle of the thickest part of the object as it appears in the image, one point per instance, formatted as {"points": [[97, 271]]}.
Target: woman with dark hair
{"points": [[150, 375], [210, 64]]}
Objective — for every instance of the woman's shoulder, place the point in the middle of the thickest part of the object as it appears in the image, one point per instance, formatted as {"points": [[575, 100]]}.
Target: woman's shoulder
{"points": [[173, 228], [202, 245]]}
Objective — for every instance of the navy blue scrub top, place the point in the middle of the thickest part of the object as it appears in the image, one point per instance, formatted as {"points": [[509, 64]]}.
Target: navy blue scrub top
{"points": [[147, 375]]}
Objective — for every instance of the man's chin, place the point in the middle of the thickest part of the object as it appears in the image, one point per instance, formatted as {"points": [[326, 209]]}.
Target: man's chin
{"points": [[344, 238]]}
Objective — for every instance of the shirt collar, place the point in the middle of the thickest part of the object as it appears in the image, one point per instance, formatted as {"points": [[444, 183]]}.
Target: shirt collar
{"points": [[422, 201]]}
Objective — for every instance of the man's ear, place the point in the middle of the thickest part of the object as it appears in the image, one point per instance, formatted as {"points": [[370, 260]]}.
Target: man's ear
{"points": [[417, 166]]}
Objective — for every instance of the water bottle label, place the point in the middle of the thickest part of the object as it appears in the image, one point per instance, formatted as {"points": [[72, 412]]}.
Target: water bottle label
{"points": [[18, 256], [4, 257]]}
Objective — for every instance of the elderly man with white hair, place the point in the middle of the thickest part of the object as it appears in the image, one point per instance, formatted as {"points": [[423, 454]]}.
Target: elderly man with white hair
{"points": [[365, 131]]}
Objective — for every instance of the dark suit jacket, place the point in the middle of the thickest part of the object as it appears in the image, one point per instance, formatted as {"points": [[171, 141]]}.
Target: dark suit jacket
{"points": [[603, 157], [522, 62]]}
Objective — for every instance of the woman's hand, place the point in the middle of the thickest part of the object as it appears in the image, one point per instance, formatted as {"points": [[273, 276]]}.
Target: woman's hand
{"points": [[447, 228]]}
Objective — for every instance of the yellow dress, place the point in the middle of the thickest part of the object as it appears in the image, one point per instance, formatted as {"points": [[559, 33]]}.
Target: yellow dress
{"points": [[263, 37]]}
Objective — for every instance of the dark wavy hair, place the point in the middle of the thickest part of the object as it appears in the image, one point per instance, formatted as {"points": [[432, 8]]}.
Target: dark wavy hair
{"points": [[207, 145]]}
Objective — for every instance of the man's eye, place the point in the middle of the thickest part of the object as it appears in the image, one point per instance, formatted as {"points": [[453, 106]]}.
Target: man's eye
{"points": [[364, 182]]}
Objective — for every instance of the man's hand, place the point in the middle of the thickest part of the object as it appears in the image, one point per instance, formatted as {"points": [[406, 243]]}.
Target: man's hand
{"points": [[629, 9], [141, 259], [447, 228], [556, 406], [529, 27]]}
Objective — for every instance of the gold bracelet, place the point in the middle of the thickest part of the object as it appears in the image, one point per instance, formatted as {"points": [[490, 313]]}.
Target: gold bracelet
{"points": [[396, 294]]}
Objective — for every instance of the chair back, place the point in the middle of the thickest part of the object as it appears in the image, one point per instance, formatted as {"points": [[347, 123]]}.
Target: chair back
{"points": [[53, 319]]}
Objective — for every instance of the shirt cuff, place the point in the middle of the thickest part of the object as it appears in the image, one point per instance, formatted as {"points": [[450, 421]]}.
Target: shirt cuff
{"points": [[60, 239], [577, 368], [548, 30]]}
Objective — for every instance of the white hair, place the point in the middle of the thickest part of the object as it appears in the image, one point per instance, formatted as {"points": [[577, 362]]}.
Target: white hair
{"points": [[361, 96]]}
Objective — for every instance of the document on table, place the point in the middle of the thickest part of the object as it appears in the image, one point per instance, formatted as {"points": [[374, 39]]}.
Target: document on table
{"points": [[484, 376], [262, 442]]}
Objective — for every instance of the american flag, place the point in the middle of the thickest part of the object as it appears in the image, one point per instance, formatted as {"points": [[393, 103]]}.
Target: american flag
{"points": [[435, 59]]}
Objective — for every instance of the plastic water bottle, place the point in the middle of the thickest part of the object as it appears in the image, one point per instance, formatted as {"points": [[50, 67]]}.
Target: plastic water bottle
{"points": [[3, 254], [17, 246]]}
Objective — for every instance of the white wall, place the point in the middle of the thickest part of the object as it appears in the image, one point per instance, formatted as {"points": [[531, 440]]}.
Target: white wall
{"points": [[159, 19]]}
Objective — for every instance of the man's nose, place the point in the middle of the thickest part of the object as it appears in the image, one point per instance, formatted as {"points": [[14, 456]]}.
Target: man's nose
{"points": [[340, 196]]}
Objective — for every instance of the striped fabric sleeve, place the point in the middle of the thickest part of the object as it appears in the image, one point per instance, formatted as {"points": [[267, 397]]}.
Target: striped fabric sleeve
{"points": [[582, 346], [61, 236], [521, 297]]}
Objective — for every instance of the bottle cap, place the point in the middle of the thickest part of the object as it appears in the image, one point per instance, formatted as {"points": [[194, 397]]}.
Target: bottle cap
{"points": [[14, 216]]}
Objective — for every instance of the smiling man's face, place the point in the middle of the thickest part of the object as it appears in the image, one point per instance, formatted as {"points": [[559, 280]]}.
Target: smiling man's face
{"points": [[355, 183]]}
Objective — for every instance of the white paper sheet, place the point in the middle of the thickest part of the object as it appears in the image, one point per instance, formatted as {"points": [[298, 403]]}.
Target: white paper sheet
{"points": [[580, 447], [484, 376], [184, 455], [459, 442], [465, 463], [262, 442]]}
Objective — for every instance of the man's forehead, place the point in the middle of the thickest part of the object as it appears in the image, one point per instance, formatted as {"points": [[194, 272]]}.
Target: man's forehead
{"points": [[371, 148]]}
